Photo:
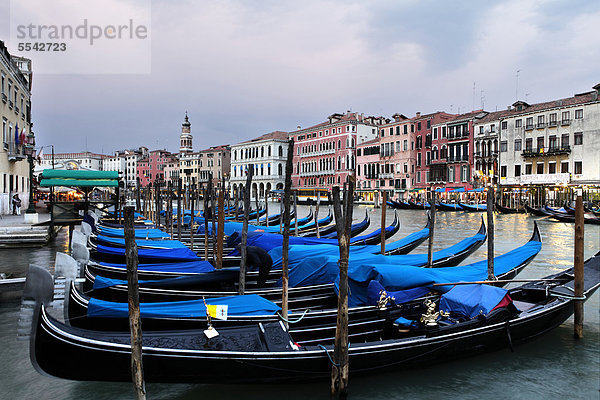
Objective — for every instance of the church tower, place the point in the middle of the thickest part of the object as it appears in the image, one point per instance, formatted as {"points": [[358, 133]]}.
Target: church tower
{"points": [[185, 139]]}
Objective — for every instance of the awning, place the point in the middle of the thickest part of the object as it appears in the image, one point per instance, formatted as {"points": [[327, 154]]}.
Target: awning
{"points": [[476, 190], [78, 178], [458, 190]]}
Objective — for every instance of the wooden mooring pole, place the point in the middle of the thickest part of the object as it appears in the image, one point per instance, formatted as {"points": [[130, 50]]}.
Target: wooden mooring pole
{"points": [[267, 210], [192, 206], [343, 221], [213, 231], [383, 209], [578, 265], [206, 216], [295, 213], [133, 300], [432, 200], [490, 227], [242, 282], [317, 214], [285, 220], [220, 229], [179, 213]]}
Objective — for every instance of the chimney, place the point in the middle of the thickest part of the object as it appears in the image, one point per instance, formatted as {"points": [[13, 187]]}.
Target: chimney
{"points": [[298, 127], [418, 114], [508, 108]]}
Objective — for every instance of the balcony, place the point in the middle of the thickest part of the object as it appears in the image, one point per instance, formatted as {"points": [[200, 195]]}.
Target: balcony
{"points": [[536, 179], [10, 104], [552, 124], [15, 154], [4, 98], [540, 126], [389, 175], [565, 122], [457, 136], [529, 127], [317, 153], [16, 110], [546, 151]]}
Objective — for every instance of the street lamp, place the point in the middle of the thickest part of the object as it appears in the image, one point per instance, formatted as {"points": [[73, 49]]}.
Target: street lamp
{"points": [[29, 150]]}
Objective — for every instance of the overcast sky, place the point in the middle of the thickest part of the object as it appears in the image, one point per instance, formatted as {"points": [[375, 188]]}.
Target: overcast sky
{"points": [[244, 68]]}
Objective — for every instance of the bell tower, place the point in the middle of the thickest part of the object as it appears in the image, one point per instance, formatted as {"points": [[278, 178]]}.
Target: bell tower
{"points": [[185, 139]]}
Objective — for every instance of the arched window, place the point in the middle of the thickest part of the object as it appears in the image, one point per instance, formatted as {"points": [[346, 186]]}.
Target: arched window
{"points": [[269, 151], [339, 144], [269, 169], [280, 153], [262, 151], [339, 163], [279, 167]]}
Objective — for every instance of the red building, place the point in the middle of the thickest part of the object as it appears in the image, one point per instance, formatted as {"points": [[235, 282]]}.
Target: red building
{"points": [[152, 168], [424, 145], [325, 154]]}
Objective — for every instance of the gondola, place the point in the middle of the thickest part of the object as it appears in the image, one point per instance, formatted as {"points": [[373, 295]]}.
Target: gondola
{"points": [[418, 205], [101, 315], [267, 352], [355, 229], [508, 210], [540, 212], [449, 206], [183, 289], [375, 236], [473, 207], [564, 217], [274, 219], [313, 225]]}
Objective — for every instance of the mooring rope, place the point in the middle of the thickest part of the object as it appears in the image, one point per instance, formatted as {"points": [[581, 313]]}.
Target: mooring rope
{"points": [[296, 321]]}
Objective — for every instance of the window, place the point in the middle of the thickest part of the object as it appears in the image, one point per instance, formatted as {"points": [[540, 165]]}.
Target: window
{"points": [[564, 140], [493, 128], [518, 144], [552, 142], [418, 159], [435, 133], [551, 167], [503, 171], [428, 124], [418, 176], [579, 113], [564, 167], [529, 144], [405, 129], [540, 143], [4, 133], [443, 132], [450, 174], [481, 130], [528, 168], [565, 117], [418, 126], [503, 146], [552, 119], [578, 167], [382, 133], [529, 123], [518, 123], [464, 173], [504, 125], [540, 120], [397, 130], [405, 147], [578, 138], [517, 170], [539, 168]]}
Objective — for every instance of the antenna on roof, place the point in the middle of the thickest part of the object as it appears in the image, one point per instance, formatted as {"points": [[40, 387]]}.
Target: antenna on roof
{"points": [[517, 86]]}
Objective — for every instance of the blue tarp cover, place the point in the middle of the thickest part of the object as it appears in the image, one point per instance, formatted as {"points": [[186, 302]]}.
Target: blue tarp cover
{"points": [[182, 254], [139, 233], [158, 244], [472, 300], [299, 253], [401, 277], [251, 304], [198, 266]]}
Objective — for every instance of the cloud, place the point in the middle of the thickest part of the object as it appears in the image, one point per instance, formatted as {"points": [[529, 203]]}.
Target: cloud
{"points": [[243, 68]]}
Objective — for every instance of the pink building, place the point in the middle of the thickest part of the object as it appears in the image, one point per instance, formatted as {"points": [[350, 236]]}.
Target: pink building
{"points": [[152, 168], [367, 170], [325, 154]]}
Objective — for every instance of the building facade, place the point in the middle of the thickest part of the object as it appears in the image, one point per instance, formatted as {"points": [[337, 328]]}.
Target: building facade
{"points": [[15, 113], [551, 143], [125, 162], [152, 168], [367, 170], [84, 160], [325, 154], [268, 154], [197, 167]]}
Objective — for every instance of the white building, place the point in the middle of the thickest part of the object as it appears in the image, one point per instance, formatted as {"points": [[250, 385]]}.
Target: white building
{"points": [[551, 143], [15, 113], [85, 160], [268, 153], [125, 161]]}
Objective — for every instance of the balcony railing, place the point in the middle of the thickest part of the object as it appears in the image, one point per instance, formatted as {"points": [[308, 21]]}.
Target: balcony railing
{"points": [[546, 151], [389, 175], [541, 125], [529, 127], [10, 104], [464, 157], [4, 98], [455, 136], [552, 124], [565, 122], [317, 153]]}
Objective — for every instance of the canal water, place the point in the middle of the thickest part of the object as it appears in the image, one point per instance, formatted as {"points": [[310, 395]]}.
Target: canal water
{"points": [[555, 366]]}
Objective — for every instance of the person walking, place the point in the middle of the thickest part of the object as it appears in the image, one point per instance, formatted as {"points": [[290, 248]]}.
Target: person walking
{"points": [[16, 201]]}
